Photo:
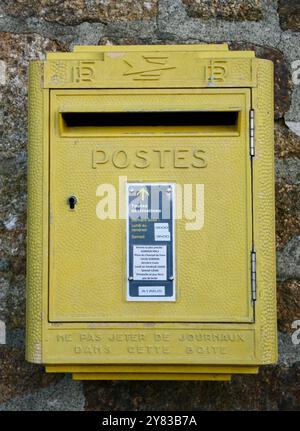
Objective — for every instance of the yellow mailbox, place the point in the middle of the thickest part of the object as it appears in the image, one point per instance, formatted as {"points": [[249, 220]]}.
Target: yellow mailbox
{"points": [[151, 213]]}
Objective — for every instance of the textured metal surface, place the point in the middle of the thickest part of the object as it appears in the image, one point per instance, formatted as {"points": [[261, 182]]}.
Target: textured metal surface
{"points": [[151, 67], [264, 212], [35, 222], [86, 282]]}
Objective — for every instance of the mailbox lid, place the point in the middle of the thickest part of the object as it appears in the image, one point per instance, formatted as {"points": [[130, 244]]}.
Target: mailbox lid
{"points": [[87, 259]]}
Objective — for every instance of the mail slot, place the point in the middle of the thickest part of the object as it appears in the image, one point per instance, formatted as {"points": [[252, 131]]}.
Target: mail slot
{"points": [[151, 213]]}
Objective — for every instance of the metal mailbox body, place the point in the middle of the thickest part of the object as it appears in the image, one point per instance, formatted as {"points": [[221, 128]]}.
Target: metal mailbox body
{"points": [[179, 119]]}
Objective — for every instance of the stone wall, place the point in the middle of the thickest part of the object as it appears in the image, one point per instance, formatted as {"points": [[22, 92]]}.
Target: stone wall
{"points": [[28, 28]]}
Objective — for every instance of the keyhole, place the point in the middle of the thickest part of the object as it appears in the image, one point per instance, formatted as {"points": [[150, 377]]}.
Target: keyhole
{"points": [[72, 201]]}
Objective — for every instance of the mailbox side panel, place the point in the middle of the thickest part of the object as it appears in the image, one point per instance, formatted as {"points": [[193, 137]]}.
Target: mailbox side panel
{"points": [[264, 212], [37, 220]]}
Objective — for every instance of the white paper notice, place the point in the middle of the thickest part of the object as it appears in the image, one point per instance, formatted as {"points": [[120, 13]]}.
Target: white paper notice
{"points": [[149, 262], [151, 291]]}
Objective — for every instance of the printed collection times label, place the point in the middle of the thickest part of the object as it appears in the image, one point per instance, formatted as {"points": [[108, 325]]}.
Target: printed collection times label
{"points": [[150, 242]]}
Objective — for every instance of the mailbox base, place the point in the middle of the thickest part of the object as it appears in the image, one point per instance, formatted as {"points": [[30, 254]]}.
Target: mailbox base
{"points": [[148, 376], [151, 372]]}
